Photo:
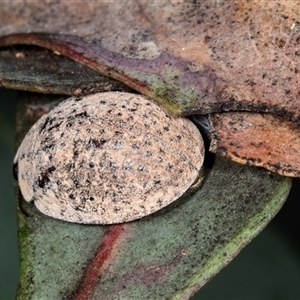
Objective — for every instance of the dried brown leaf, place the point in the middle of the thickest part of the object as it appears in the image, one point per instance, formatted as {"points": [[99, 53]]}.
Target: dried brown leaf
{"points": [[261, 140], [246, 53]]}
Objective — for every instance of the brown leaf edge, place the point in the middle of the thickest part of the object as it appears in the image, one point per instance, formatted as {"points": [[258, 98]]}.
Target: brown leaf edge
{"points": [[271, 141]]}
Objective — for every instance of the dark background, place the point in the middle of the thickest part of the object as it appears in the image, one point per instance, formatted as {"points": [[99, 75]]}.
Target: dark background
{"points": [[268, 268]]}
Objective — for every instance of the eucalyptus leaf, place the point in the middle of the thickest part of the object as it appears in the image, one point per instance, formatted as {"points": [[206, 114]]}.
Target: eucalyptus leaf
{"points": [[204, 56], [39, 70]]}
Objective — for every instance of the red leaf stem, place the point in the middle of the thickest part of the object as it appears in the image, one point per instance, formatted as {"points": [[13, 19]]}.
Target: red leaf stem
{"points": [[100, 261]]}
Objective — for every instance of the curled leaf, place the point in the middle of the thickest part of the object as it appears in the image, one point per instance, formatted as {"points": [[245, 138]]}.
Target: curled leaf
{"points": [[261, 140], [194, 57]]}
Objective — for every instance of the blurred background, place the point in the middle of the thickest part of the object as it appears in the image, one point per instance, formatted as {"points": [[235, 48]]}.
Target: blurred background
{"points": [[268, 268]]}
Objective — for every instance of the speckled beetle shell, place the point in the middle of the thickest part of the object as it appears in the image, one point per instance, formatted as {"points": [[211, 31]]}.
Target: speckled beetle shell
{"points": [[108, 158]]}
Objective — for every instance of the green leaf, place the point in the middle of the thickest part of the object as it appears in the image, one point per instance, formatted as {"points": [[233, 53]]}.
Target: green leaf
{"points": [[39, 70], [170, 254]]}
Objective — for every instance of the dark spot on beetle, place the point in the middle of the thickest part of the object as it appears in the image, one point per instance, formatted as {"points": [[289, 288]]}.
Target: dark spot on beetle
{"points": [[82, 115], [118, 133], [157, 181], [47, 121], [207, 38], [145, 184], [71, 196], [76, 183], [135, 147], [161, 150], [51, 169], [78, 142], [78, 98], [69, 166], [178, 137], [141, 168], [169, 166], [68, 125], [54, 126], [280, 43], [119, 186], [102, 102], [43, 179], [112, 164], [97, 143], [75, 154], [126, 166], [51, 146], [166, 128], [91, 199], [91, 165], [148, 153], [130, 118], [250, 82], [117, 145], [132, 109]]}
